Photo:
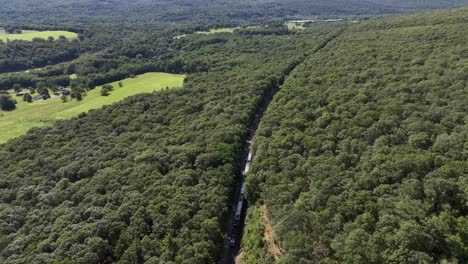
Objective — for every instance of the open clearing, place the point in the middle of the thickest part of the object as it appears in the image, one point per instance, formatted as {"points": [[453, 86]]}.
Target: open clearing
{"points": [[292, 25], [217, 30], [211, 31], [28, 35], [45, 112]]}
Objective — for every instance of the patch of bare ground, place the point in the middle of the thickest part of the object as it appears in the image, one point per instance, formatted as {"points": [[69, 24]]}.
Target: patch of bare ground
{"points": [[239, 258], [273, 249]]}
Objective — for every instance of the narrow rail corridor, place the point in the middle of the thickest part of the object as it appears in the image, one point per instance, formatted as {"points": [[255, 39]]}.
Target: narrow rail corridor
{"points": [[235, 225]]}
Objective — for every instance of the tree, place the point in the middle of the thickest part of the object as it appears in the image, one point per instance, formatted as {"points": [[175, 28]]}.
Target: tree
{"points": [[27, 98], [121, 84], [79, 96], [104, 91], [54, 89], [7, 103], [42, 88], [17, 88], [108, 87], [90, 84], [64, 98]]}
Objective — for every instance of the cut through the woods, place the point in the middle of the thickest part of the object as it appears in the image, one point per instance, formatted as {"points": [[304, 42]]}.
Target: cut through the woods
{"points": [[235, 225]]}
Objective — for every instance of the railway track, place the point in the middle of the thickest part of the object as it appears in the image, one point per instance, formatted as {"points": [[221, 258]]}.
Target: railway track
{"points": [[235, 224]]}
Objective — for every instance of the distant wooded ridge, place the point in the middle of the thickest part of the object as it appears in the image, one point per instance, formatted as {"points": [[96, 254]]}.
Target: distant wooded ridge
{"points": [[86, 11]]}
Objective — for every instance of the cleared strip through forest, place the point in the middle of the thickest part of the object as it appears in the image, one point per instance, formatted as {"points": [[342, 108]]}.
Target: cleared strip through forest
{"points": [[235, 225]]}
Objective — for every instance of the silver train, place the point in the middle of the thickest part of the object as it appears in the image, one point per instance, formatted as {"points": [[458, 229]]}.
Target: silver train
{"points": [[240, 201]]}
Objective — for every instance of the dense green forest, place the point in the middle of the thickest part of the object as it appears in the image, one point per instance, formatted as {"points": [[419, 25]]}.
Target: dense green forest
{"points": [[362, 155], [148, 179], [153, 12], [100, 25], [23, 55], [360, 158]]}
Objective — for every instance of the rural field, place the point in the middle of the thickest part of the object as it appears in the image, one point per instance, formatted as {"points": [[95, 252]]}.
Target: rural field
{"points": [[292, 25], [28, 35], [216, 30], [210, 31], [41, 113]]}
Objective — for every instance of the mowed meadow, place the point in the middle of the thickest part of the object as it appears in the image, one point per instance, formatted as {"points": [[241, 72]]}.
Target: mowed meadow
{"points": [[29, 35], [45, 112], [210, 31]]}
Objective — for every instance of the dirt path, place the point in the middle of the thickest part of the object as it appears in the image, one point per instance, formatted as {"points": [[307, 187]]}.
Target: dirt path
{"points": [[273, 249], [239, 257]]}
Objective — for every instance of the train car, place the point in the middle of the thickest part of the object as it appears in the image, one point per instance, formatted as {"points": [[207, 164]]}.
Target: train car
{"points": [[237, 216], [246, 169], [242, 191]]}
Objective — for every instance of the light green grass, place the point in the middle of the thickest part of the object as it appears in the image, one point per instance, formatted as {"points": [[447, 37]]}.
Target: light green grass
{"points": [[28, 35], [292, 26], [45, 112], [211, 31], [217, 30]]}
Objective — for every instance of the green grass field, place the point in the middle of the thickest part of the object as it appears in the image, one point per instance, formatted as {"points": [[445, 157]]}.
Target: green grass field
{"points": [[292, 26], [45, 112], [211, 31], [217, 30], [28, 35]]}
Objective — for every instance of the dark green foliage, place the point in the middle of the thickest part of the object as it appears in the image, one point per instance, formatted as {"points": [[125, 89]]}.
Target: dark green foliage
{"points": [[105, 89], [150, 12], [27, 98], [20, 55], [145, 180], [11, 30], [42, 89], [104, 92], [77, 95], [253, 240], [17, 88], [361, 157], [7, 103]]}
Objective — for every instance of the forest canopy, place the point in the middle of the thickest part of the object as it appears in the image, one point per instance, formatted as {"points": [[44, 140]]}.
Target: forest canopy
{"points": [[148, 179], [362, 155]]}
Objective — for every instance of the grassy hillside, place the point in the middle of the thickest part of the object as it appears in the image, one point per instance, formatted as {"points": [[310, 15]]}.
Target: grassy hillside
{"points": [[28, 115], [29, 35], [362, 155]]}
